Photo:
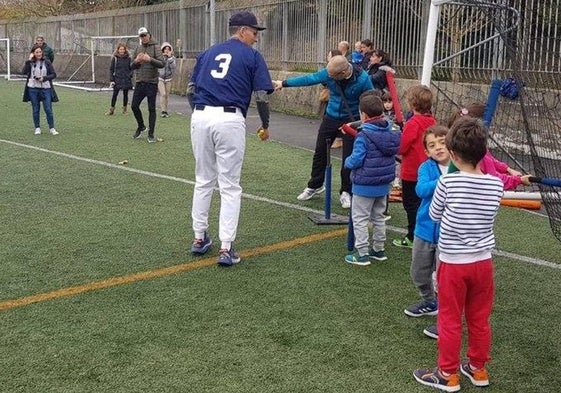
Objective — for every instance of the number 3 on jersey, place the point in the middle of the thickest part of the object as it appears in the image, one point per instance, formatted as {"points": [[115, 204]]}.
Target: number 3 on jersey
{"points": [[224, 60]]}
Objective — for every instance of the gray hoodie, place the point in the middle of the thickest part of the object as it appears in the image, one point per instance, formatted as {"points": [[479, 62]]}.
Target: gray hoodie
{"points": [[166, 73]]}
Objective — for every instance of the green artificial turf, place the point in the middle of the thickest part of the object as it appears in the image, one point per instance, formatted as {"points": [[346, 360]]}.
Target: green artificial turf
{"points": [[290, 319]]}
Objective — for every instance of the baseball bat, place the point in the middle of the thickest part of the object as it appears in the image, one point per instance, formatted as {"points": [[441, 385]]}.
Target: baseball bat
{"points": [[522, 204], [390, 78], [548, 181], [351, 231]]}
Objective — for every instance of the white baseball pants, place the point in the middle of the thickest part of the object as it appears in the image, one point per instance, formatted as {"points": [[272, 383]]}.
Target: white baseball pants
{"points": [[218, 140]]}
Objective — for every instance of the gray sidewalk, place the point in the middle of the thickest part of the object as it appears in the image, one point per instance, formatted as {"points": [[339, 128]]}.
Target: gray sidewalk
{"points": [[291, 130]]}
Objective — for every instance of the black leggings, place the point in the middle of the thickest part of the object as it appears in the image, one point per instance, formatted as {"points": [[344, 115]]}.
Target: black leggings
{"points": [[116, 93]]}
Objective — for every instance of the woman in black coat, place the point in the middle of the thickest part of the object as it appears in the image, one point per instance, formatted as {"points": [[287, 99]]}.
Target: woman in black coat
{"points": [[121, 76], [379, 58]]}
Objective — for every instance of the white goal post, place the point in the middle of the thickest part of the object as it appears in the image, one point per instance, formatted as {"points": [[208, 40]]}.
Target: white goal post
{"points": [[6, 59], [94, 46]]}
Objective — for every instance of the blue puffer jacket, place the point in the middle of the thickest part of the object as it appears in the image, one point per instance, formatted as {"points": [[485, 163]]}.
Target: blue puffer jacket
{"points": [[428, 176], [358, 83], [373, 159]]}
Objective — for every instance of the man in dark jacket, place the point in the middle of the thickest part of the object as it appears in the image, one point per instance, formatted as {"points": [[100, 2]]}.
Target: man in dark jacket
{"points": [[47, 50], [147, 58]]}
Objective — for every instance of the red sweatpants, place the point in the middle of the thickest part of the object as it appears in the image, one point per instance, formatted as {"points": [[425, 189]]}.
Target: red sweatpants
{"points": [[464, 289]]}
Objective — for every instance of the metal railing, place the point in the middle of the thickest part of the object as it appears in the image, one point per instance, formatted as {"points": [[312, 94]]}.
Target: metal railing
{"points": [[299, 33]]}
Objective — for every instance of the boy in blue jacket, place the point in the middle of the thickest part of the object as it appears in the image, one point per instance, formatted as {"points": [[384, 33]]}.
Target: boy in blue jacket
{"points": [[424, 259], [372, 165]]}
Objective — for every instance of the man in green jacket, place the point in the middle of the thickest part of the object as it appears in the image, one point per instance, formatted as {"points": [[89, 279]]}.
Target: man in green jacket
{"points": [[146, 60], [47, 50]]}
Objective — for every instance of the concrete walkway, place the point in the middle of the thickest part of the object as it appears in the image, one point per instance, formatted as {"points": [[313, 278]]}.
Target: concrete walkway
{"points": [[291, 130]]}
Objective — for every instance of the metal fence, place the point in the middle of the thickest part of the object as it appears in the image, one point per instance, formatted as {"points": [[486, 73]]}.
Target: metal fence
{"points": [[299, 33]]}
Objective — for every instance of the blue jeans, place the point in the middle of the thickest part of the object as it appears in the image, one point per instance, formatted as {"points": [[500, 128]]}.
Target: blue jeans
{"points": [[36, 96]]}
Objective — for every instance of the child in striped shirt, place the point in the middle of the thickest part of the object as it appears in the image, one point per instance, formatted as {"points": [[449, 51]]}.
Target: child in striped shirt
{"points": [[466, 204]]}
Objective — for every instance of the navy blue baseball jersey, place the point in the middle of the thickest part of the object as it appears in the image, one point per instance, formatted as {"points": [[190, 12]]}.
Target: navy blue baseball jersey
{"points": [[222, 73]]}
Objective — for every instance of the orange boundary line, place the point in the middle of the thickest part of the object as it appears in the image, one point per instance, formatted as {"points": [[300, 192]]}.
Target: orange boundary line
{"points": [[166, 271]]}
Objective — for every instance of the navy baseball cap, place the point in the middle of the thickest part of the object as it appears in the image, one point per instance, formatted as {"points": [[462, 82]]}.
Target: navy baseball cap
{"points": [[245, 18]]}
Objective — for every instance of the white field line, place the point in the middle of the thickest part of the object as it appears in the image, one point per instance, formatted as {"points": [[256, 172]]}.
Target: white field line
{"points": [[521, 258]]}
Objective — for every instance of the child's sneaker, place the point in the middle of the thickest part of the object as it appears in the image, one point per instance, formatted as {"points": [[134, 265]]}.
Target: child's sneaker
{"points": [[435, 379], [431, 331], [421, 309], [228, 258], [201, 246], [357, 259], [378, 255], [478, 377], [405, 242]]}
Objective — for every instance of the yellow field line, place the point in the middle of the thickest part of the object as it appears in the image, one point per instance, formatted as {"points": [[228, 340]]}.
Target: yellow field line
{"points": [[165, 271]]}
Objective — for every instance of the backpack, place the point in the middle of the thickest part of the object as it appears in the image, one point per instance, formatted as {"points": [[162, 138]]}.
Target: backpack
{"points": [[510, 88]]}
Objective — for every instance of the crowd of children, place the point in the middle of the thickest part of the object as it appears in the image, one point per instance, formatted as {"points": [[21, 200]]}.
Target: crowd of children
{"points": [[451, 189]]}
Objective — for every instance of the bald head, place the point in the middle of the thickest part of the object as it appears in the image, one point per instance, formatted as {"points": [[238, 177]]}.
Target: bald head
{"points": [[338, 67]]}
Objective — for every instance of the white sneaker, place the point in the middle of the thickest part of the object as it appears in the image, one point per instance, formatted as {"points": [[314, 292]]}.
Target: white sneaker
{"points": [[53, 131], [37, 131], [345, 199], [308, 193]]}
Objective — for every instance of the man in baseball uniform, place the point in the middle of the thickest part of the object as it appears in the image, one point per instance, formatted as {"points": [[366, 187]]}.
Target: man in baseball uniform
{"points": [[223, 80]]}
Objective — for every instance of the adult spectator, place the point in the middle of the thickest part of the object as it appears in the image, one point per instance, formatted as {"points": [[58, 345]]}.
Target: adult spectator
{"points": [[366, 48], [346, 83], [343, 47], [379, 63], [47, 50], [223, 80], [39, 87], [147, 58], [120, 76]]}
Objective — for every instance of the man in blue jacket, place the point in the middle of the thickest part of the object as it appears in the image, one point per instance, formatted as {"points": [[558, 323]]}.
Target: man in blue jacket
{"points": [[346, 83]]}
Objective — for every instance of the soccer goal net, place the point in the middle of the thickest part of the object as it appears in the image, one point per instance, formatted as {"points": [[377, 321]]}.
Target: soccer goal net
{"points": [[10, 67], [480, 52], [87, 64]]}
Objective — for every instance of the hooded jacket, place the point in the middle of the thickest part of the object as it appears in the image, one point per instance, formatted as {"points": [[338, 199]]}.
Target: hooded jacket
{"points": [[373, 159], [166, 73], [148, 72]]}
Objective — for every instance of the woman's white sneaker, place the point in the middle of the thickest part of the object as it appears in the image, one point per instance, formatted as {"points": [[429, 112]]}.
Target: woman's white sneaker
{"points": [[37, 131], [53, 131]]}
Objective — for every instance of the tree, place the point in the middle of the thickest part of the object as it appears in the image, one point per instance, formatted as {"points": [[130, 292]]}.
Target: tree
{"points": [[10, 9]]}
